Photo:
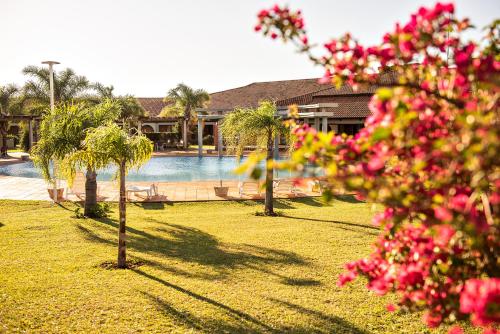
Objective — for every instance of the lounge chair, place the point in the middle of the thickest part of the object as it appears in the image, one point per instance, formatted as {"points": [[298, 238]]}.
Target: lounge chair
{"points": [[248, 188], [150, 191], [285, 186]]}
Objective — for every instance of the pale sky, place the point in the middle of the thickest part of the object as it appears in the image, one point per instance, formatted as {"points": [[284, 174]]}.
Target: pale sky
{"points": [[145, 47]]}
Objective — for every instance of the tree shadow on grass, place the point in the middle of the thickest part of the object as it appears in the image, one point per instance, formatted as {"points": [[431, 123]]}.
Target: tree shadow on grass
{"points": [[238, 321], [321, 321], [152, 205], [239, 316], [337, 222], [190, 245], [1, 225], [311, 201], [347, 198]]}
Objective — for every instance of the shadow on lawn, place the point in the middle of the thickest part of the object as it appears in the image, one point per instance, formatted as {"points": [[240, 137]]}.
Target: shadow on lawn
{"points": [[337, 222], [240, 317], [1, 225], [319, 320], [191, 245], [239, 321]]}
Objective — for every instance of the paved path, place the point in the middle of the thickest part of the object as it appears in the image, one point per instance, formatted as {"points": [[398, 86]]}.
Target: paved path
{"points": [[23, 188]]}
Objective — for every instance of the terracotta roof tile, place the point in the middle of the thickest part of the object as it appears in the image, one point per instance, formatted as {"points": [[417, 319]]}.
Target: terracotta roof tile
{"points": [[152, 105], [251, 95]]}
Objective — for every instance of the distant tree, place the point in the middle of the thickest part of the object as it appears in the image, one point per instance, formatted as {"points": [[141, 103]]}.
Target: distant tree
{"points": [[187, 99], [256, 127], [62, 133], [107, 145], [67, 87], [9, 105], [130, 108]]}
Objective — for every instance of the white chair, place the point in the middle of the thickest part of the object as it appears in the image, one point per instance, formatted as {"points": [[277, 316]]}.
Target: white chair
{"points": [[248, 188], [150, 191], [285, 186]]}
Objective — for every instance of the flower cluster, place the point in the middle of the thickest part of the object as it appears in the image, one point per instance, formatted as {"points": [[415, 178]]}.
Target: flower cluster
{"points": [[428, 154]]}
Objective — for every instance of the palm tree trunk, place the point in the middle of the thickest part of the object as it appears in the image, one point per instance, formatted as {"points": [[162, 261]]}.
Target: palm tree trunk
{"points": [[122, 246], [90, 192], [269, 209], [185, 134]]}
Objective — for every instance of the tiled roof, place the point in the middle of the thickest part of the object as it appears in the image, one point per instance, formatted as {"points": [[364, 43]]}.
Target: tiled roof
{"points": [[284, 93], [152, 105], [251, 95]]}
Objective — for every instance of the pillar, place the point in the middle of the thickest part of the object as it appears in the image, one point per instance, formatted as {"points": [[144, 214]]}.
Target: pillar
{"points": [[324, 126], [200, 138], [30, 128], [219, 139], [276, 147], [316, 123], [184, 133], [139, 126]]}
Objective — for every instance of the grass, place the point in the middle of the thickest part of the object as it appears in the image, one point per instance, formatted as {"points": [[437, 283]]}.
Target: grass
{"points": [[207, 267]]}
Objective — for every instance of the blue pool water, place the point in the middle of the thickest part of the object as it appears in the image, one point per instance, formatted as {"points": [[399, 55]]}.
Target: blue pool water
{"points": [[158, 169]]}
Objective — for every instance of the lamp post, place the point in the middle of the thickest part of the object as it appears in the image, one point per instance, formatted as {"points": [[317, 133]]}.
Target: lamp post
{"points": [[51, 63]]}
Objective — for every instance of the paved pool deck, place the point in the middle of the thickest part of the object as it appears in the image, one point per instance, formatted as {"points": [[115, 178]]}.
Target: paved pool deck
{"points": [[23, 188]]}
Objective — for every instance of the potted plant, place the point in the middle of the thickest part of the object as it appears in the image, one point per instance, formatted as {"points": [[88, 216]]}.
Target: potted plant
{"points": [[221, 191]]}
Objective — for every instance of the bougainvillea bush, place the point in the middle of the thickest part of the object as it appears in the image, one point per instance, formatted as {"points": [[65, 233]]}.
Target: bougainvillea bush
{"points": [[429, 153]]}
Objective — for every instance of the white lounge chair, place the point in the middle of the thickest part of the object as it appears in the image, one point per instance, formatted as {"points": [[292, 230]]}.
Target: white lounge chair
{"points": [[150, 191], [285, 186], [248, 188]]}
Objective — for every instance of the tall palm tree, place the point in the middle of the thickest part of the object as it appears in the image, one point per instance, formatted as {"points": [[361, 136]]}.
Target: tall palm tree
{"points": [[67, 87], [188, 99], [63, 132], [256, 127], [107, 145], [9, 105]]}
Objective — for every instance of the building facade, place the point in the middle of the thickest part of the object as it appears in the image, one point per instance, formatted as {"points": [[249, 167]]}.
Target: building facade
{"points": [[323, 107]]}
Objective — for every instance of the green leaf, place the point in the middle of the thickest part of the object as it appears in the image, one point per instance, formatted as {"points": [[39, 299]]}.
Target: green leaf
{"points": [[381, 133]]}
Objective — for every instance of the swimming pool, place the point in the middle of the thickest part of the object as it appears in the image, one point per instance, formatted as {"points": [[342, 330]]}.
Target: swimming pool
{"points": [[158, 169]]}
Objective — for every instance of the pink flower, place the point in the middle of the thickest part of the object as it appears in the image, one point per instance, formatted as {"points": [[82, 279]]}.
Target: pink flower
{"points": [[443, 214], [481, 299], [346, 277], [274, 35], [375, 164], [391, 307], [456, 330]]}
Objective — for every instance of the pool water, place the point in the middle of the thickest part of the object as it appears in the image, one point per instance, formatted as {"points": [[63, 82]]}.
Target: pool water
{"points": [[158, 169]]}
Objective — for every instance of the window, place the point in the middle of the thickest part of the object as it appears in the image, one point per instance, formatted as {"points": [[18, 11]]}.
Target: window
{"points": [[349, 129]]}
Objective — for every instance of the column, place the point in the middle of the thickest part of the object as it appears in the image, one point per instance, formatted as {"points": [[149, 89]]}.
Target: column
{"points": [[276, 147], [184, 133], [139, 126], [30, 127], [325, 125], [219, 139], [316, 123], [200, 138]]}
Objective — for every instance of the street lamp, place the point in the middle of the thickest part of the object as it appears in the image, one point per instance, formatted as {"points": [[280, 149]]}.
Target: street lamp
{"points": [[51, 63]]}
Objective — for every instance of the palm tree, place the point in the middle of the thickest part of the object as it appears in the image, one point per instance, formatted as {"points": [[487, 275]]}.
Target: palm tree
{"points": [[63, 132], [131, 109], [67, 87], [259, 127], [188, 99], [9, 104], [107, 145]]}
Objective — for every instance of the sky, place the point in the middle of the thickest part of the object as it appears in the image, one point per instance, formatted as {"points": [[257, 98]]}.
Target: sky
{"points": [[146, 47]]}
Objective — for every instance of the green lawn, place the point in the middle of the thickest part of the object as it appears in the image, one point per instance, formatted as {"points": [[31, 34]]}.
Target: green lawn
{"points": [[208, 267]]}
